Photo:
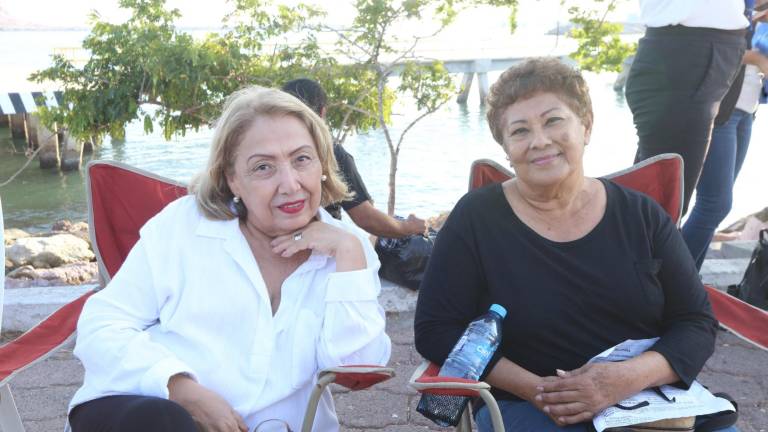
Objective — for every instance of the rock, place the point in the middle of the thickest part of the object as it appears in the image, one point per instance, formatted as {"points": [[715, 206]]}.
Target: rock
{"points": [[79, 229], [69, 274], [437, 222], [739, 225], [11, 234], [62, 225], [47, 252]]}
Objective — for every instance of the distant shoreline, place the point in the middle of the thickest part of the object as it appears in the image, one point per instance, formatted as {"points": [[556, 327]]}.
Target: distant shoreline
{"points": [[85, 29]]}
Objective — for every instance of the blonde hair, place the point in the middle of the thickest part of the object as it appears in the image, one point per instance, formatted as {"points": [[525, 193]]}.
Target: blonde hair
{"points": [[210, 186]]}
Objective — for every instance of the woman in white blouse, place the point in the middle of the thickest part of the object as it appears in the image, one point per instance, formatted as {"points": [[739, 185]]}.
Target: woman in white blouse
{"points": [[235, 296]]}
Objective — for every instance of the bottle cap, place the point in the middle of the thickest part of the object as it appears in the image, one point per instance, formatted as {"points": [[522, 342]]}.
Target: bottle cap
{"points": [[499, 309]]}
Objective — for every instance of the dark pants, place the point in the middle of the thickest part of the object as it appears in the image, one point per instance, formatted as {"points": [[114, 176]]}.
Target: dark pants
{"points": [[130, 414], [674, 89], [524, 417]]}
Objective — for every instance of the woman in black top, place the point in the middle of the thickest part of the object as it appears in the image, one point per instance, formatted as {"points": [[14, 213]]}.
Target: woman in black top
{"points": [[580, 263]]}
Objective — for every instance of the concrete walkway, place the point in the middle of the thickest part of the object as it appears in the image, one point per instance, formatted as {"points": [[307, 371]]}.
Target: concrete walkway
{"points": [[43, 391]]}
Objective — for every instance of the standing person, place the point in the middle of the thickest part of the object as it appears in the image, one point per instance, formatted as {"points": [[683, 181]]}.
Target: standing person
{"points": [[684, 65], [360, 206], [235, 296], [730, 140]]}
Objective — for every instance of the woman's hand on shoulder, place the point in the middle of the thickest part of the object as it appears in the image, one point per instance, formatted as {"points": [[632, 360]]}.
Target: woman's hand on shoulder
{"points": [[577, 396], [210, 411], [326, 239]]}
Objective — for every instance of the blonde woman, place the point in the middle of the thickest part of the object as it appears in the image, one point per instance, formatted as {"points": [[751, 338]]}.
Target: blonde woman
{"points": [[235, 296]]}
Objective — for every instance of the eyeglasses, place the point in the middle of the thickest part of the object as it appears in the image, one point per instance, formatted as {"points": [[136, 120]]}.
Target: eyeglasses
{"points": [[646, 403], [273, 425]]}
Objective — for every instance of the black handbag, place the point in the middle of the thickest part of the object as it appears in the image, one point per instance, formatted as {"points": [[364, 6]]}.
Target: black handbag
{"points": [[753, 287]]}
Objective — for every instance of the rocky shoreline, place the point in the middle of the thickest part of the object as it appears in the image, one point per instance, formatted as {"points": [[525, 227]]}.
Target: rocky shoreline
{"points": [[62, 256]]}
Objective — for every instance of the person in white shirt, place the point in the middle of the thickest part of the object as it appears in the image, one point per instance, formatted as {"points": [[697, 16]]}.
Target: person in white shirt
{"points": [[685, 64], [238, 294]]}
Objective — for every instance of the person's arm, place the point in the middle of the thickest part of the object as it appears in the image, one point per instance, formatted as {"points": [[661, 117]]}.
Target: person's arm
{"points": [[378, 223], [756, 58], [353, 321], [112, 342], [353, 329], [453, 291], [577, 396], [686, 341], [689, 326]]}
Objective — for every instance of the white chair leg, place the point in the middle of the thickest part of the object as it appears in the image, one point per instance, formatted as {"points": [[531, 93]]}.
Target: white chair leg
{"points": [[10, 421], [465, 423]]}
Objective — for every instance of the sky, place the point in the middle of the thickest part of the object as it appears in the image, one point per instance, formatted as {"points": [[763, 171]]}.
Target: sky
{"points": [[534, 16]]}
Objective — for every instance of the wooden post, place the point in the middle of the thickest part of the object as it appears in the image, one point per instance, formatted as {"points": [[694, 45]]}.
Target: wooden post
{"points": [[482, 84], [17, 126], [482, 66], [49, 147], [87, 147], [466, 84], [71, 153], [31, 122]]}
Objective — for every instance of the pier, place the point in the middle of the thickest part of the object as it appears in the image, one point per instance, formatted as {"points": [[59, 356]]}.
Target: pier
{"points": [[55, 148]]}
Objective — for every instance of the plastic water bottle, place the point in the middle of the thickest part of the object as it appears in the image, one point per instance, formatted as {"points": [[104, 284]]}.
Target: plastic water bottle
{"points": [[468, 359]]}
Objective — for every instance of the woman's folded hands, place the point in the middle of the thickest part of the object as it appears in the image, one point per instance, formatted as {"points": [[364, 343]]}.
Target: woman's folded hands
{"points": [[576, 396]]}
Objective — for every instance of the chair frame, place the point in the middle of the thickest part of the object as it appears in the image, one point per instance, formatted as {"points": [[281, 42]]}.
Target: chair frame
{"points": [[9, 414]]}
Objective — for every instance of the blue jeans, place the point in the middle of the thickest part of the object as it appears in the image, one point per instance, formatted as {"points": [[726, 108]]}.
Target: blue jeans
{"points": [[523, 417], [714, 192]]}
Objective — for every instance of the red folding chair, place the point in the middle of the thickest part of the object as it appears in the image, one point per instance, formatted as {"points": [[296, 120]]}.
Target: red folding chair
{"points": [[661, 178], [121, 199], [33, 346]]}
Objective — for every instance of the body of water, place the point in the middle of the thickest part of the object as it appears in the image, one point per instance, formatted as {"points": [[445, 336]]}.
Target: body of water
{"points": [[434, 160]]}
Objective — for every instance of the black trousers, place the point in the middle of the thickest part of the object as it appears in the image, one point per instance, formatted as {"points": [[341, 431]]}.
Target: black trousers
{"points": [[674, 89], [131, 414]]}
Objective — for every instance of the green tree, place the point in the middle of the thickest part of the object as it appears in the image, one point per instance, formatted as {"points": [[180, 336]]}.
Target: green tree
{"points": [[600, 47], [147, 62], [374, 47], [146, 69]]}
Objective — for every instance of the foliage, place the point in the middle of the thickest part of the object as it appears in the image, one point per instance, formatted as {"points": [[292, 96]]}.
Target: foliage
{"points": [[148, 70], [372, 43], [147, 62], [600, 46]]}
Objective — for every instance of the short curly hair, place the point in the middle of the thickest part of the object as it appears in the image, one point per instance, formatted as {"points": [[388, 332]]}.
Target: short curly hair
{"points": [[532, 77]]}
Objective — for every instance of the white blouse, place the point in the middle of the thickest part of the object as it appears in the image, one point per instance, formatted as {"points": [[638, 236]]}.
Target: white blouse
{"points": [[716, 14], [190, 298]]}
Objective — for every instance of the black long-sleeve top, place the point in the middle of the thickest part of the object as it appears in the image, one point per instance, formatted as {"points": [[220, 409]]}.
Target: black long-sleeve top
{"points": [[631, 277]]}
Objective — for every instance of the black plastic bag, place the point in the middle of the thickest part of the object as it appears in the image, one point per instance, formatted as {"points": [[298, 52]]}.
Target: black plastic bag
{"points": [[753, 288], [404, 260]]}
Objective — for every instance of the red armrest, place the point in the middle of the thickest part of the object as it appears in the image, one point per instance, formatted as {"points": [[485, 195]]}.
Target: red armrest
{"points": [[359, 377], [426, 380], [743, 319], [41, 340]]}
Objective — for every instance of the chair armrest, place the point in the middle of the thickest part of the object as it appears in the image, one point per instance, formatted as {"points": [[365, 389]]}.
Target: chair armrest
{"points": [[426, 380], [358, 377], [42, 340]]}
